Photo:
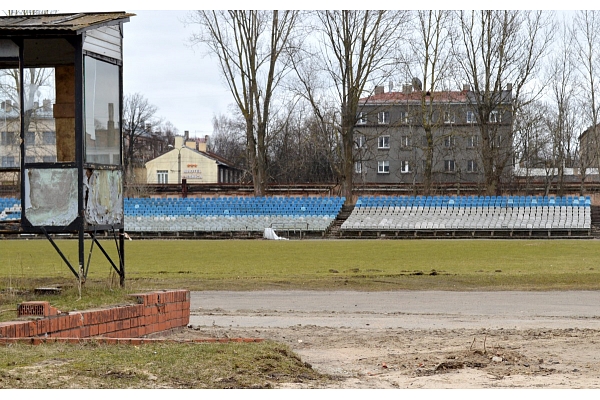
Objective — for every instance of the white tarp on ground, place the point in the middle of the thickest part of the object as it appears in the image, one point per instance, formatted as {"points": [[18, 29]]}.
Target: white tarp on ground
{"points": [[271, 235]]}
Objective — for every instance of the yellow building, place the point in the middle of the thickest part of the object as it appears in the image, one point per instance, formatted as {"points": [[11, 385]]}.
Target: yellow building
{"points": [[190, 161]]}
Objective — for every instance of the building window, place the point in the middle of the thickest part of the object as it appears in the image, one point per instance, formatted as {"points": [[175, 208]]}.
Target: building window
{"points": [[361, 118], [7, 138], [495, 117], [498, 141], [471, 117], [29, 159], [472, 141], [8, 161], [383, 117], [383, 167], [30, 138], [383, 142], [49, 137], [404, 141], [449, 165], [358, 167], [403, 117], [163, 176], [405, 167], [449, 117], [360, 141], [471, 166], [49, 159], [449, 141]]}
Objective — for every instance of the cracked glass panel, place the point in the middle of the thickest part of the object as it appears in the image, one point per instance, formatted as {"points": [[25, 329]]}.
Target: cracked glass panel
{"points": [[103, 197], [40, 125], [10, 120], [51, 196], [102, 112]]}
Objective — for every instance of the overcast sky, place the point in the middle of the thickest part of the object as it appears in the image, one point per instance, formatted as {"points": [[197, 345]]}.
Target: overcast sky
{"points": [[182, 81]]}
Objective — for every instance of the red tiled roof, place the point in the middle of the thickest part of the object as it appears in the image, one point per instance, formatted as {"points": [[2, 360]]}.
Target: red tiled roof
{"points": [[401, 97]]}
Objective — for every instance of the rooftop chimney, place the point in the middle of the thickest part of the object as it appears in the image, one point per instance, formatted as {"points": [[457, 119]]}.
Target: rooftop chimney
{"points": [[178, 142], [379, 90], [466, 87], [406, 89]]}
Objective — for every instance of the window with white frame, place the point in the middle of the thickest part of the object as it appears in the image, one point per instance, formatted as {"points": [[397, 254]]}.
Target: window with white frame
{"points": [[383, 167], [449, 141], [359, 141], [29, 159], [472, 141], [471, 166], [403, 117], [383, 142], [358, 167], [361, 118], [383, 117], [449, 117], [471, 117], [405, 167], [495, 117], [449, 165], [498, 141], [404, 141], [163, 176]]}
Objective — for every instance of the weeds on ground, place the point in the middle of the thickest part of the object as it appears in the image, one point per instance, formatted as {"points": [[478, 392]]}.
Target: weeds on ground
{"points": [[163, 365]]}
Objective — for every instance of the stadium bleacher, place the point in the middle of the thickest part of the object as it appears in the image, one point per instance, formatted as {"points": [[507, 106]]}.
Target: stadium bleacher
{"points": [[10, 209], [371, 213], [231, 214], [470, 213]]}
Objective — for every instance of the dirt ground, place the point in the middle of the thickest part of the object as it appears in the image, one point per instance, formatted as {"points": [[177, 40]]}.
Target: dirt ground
{"points": [[468, 346]]}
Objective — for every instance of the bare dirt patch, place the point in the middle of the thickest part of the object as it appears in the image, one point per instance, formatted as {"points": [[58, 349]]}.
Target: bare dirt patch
{"points": [[408, 339], [441, 358]]}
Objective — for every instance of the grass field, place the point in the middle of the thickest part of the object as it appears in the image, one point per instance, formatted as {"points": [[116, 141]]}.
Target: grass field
{"points": [[319, 264]]}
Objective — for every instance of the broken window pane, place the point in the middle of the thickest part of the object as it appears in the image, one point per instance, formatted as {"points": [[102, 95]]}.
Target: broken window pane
{"points": [[51, 196], [102, 112]]}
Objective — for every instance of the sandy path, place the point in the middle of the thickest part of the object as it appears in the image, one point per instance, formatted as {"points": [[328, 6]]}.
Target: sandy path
{"points": [[421, 339]]}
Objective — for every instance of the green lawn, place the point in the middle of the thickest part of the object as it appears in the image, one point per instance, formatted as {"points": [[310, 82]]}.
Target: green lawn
{"points": [[320, 264]]}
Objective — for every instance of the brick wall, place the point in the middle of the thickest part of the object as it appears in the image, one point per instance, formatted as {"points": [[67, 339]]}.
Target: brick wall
{"points": [[154, 312]]}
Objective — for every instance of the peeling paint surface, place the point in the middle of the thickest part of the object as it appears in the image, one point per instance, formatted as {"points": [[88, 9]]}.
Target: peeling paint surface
{"points": [[103, 197], [51, 196]]}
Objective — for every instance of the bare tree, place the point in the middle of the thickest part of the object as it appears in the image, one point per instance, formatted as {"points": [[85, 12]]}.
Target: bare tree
{"points": [[139, 120], [229, 139], [298, 153], [355, 49], [250, 46], [586, 34], [496, 49], [561, 118], [430, 59]]}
